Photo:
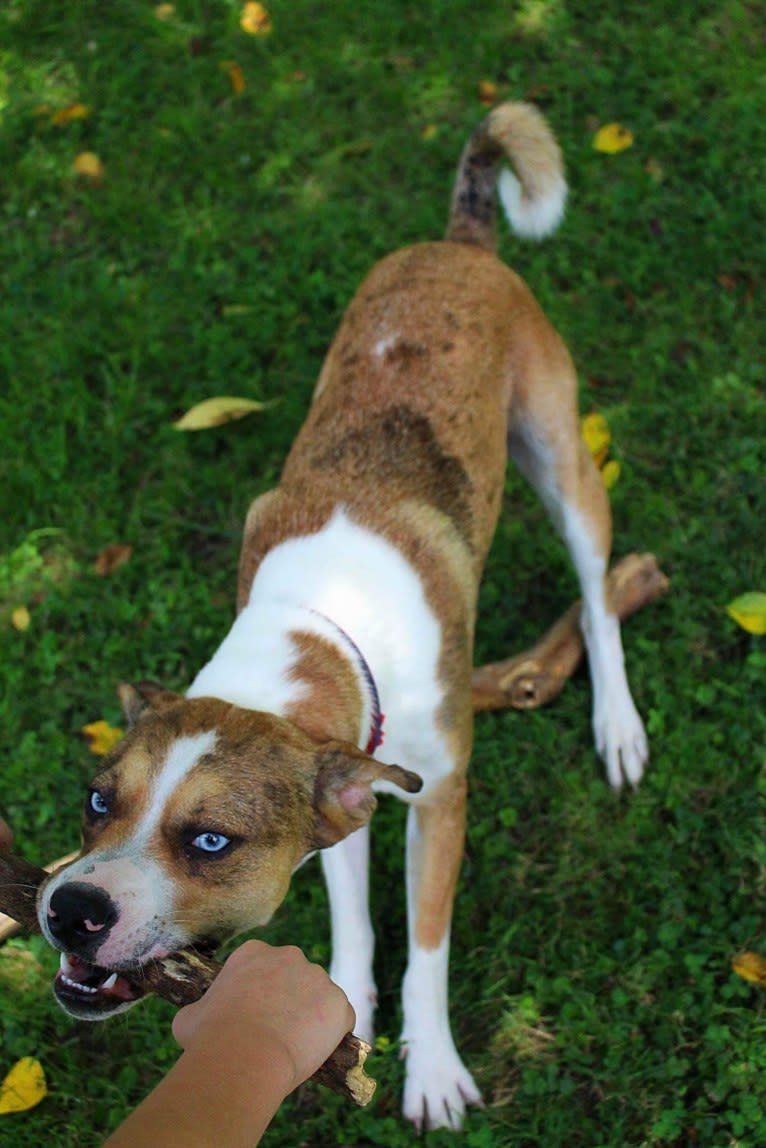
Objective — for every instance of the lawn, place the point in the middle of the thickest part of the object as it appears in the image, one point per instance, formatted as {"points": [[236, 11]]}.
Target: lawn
{"points": [[592, 991]]}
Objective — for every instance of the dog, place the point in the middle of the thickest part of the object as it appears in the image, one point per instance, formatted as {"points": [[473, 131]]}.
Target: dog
{"points": [[352, 648]]}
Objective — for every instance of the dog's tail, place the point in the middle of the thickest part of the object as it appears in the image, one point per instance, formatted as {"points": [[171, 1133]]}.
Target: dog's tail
{"points": [[533, 194]]}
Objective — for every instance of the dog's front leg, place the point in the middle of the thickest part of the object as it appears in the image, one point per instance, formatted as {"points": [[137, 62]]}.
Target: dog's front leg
{"points": [[346, 872], [437, 1086]]}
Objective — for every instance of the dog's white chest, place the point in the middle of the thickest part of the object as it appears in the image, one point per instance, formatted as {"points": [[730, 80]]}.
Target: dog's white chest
{"points": [[360, 581]]}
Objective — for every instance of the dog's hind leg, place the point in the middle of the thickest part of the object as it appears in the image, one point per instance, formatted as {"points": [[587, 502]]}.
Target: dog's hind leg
{"points": [[346, 873], [545, 443], [437, 1086]]}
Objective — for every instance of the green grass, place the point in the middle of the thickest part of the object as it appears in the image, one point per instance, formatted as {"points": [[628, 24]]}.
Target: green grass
{"points": [[591, 985]]}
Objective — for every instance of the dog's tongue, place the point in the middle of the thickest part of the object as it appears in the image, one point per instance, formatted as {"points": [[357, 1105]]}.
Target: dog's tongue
{"points": [[81, 978]]}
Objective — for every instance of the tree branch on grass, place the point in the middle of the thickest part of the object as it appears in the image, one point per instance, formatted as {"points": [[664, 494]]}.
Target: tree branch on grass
{"points": [[531, 679]]}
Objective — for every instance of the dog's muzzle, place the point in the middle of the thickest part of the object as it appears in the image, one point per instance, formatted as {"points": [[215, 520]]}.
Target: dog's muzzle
{"points": [[90, 992], [79, 918]]}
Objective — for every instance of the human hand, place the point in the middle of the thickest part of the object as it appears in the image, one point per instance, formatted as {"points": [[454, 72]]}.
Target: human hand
{"points": [[6, 835], [271, 999]]}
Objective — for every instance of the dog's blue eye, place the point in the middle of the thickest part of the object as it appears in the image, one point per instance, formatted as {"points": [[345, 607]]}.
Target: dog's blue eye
{"points": [[97, 803], [211, 842]]}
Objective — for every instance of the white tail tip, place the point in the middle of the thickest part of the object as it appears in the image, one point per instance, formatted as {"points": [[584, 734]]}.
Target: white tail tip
{"points": [[532, 218]]}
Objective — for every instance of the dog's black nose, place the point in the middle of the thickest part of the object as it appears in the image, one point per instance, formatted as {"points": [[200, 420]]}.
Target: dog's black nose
{"points": [[79, 913]]}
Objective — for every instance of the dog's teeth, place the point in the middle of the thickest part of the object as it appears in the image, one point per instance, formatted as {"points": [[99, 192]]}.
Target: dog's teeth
{"points": [[76, 985], [65, 964], [110, 982]]}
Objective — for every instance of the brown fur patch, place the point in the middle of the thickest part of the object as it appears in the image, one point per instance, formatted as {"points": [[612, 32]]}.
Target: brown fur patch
{"points": [[332, 704], [437, 858], [245, 895], [400, 448], [421, 410]]}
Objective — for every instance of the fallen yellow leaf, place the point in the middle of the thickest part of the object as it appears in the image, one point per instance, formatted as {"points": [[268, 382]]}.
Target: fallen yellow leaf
{"points": [[73, 112], [165, 11], [101, 737], [751, 967], [612, 138], [749, 611], [610, 472], [255, 20], [23, 1087], [88, 165], [21, 618], [235, 74], [596, 436], [487, 92], [215, 412]]}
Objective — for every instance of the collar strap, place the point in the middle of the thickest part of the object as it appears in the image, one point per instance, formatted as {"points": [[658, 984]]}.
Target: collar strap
{"points": [[377, 717]]}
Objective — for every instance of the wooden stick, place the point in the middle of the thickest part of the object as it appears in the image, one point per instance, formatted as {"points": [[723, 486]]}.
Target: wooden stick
{"points": [[530, 679], [10, 927], [19, 882], [182, 978]]}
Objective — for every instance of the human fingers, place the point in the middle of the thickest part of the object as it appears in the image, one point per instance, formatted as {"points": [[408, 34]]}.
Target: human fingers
{"points": [[271, 997]]}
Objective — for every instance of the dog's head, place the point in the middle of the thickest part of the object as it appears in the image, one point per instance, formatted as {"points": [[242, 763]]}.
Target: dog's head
{"points": [[191, 832]]}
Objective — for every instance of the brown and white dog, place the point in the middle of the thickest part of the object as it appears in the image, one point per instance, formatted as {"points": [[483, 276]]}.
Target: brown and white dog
{"points": [[357, 598]]}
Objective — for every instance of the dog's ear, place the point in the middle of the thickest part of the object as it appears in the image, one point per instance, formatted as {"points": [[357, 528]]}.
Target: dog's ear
{"points": [[343, 797], [138, 699]]}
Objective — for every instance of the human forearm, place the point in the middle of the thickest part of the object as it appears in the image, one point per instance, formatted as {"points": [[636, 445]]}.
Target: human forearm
{"points": [[212, 1096], [268, 1021]]}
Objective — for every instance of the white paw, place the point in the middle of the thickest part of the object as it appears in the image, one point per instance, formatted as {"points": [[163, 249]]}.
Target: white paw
{"points": [[621, 739], [438, 1087]]}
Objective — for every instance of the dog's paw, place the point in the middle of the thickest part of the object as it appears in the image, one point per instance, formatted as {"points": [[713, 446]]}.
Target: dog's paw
{"points": [[438, 1087], [621, 740]]}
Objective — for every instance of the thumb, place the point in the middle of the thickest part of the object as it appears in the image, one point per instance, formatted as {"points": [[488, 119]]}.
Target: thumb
{"points": [[184, 1023]]}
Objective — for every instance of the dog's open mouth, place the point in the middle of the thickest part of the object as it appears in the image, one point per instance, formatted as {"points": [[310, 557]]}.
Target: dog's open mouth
{"points": [[89, 992]]}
